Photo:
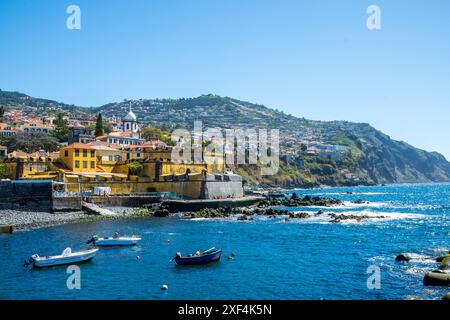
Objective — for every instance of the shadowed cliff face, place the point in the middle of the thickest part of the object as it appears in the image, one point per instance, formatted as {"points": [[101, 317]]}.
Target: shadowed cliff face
{"points": [[387, 160], [373, 157]]}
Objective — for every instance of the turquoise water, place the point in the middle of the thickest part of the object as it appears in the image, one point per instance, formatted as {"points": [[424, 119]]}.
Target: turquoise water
{"points": [[304, 259]]}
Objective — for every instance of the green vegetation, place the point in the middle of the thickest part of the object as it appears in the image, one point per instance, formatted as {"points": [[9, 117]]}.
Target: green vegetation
{"points": [[2, 171], [135, 167], [61, 132], [2, 113], [30, 142], [99, 126], [144, 213], [341, 140], [149, 133]]}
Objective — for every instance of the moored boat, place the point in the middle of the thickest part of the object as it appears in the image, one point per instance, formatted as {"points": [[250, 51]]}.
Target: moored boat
{"points": [[67, 257], [116, 240], [208, 256]]}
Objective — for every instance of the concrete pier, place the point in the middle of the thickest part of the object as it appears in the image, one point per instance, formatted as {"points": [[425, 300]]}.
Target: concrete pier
{"points": [[94, 209]]}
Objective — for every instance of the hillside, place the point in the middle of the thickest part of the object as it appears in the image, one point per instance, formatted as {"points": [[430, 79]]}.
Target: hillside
{"points": [[17, 99], [371, 157]]}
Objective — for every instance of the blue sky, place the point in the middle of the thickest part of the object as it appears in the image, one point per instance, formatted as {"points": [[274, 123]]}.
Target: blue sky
{"points": [[313, 59]]}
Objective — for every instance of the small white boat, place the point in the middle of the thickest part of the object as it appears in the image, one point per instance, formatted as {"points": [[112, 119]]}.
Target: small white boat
{"points": [[67, 257], [116, 240]]}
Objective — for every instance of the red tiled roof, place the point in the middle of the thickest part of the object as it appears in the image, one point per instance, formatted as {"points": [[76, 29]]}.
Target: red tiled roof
{"points": [[77, 145]]}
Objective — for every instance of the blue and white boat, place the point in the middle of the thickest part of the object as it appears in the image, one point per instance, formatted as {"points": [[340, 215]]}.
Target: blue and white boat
{"points": [[211, 255], [116, 240], [65, 258]]}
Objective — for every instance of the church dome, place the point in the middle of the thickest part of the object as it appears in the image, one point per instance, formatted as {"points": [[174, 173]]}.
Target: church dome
{"points": [[130, 117]]}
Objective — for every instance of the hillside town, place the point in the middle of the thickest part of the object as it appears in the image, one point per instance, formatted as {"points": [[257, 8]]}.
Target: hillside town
{"points": [[36, 136], [127, 158]]}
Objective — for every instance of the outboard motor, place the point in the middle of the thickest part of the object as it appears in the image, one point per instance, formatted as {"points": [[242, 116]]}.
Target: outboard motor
{"points": [[93, 239], [26, 263]]}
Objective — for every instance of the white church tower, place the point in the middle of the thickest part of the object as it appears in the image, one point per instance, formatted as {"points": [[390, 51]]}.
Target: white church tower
{"points": [[129, 122]]}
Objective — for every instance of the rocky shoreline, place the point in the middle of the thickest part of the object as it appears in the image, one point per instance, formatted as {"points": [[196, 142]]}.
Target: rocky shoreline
{"points": [[24, 220], [268, 208]]}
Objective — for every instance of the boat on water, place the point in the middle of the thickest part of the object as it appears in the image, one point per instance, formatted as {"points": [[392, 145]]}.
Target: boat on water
{"points": [[66, 257], [115, 240], [208, 256]]}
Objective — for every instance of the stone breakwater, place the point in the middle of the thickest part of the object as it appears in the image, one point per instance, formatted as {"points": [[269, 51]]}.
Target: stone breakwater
{"points": [[247, 214], [306, 201], [266, 207]]}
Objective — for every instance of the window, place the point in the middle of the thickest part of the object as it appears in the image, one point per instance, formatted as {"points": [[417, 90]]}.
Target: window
{"points": [[77, 152], [92, 153], [77, 163], [84, 153], [138, 155], [84, 164], [66, 153], [92, 164]]}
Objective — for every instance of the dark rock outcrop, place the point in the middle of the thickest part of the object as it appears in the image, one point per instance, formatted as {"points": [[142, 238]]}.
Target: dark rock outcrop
{"points": [[306, 201]]}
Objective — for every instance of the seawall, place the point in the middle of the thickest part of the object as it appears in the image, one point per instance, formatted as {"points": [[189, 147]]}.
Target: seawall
{"points": [[25, 195]]}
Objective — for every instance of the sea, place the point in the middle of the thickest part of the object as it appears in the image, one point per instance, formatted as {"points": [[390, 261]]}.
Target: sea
{"points": [[266, 258]]}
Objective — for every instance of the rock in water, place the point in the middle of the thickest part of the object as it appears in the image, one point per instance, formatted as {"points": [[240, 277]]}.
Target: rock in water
{"points": [[403, 258], [437, 279]]}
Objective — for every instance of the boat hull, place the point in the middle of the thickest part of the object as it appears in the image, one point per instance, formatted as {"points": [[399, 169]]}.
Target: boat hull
{"points": [[116, 242], [59, 260], [214, 257]]}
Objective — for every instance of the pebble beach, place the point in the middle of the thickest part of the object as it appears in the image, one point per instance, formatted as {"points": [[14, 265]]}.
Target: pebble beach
{"points": [[28, 220], [25, 220]]}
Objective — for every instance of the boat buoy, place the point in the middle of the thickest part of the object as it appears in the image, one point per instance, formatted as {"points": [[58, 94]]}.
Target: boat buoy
{"points": [[165, 287], [168, 241], [138, 258]]}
